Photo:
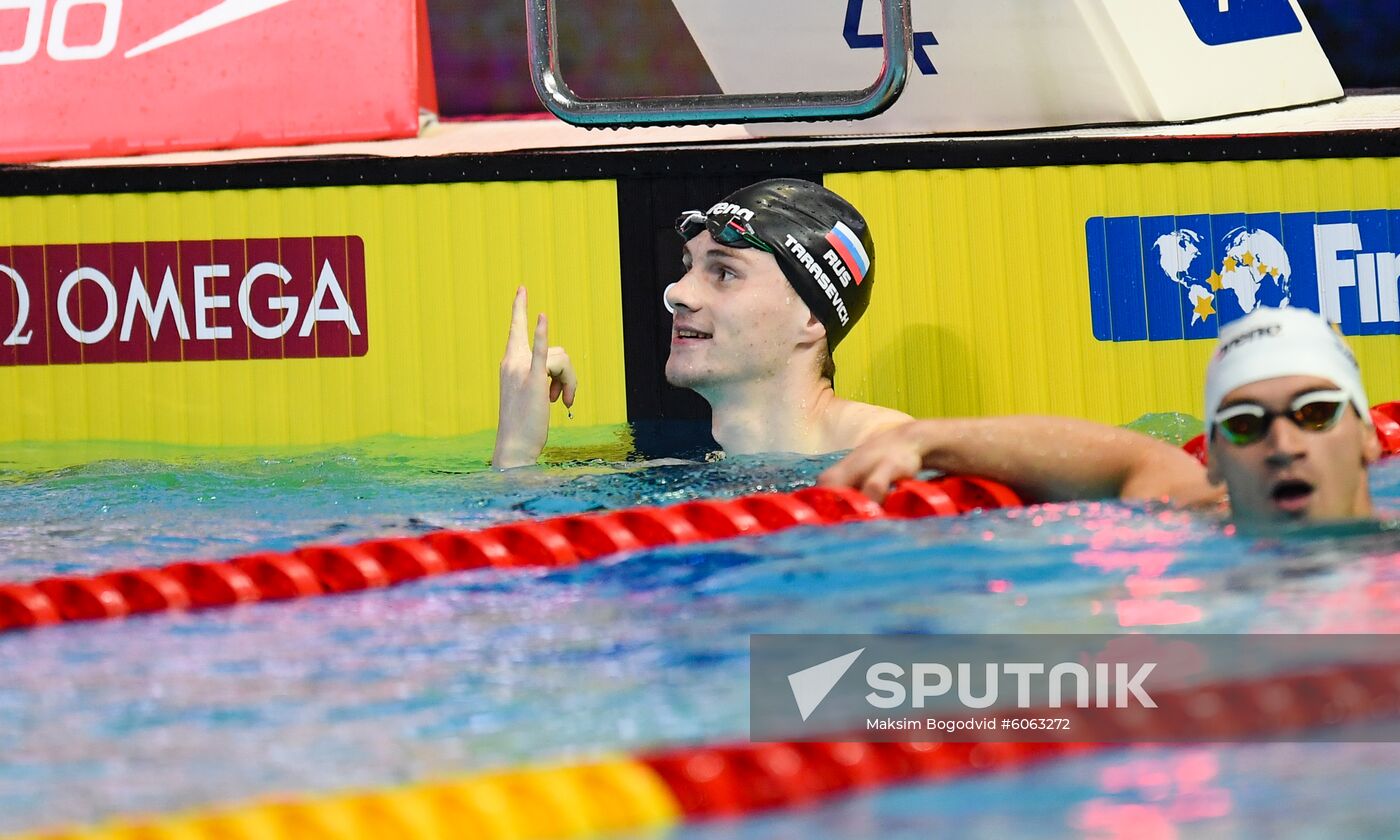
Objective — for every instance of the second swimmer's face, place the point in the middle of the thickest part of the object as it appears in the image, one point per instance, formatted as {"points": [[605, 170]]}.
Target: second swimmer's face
{"points": [[737, 318], [1291, 474]]}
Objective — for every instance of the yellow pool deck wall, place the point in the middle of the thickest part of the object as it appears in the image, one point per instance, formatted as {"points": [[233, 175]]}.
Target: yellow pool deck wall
{"points": [[981, 304], [442, 266]]}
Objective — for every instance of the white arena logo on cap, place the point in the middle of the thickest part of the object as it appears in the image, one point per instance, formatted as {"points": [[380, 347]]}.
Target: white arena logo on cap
{"points": [[1261, 332], [724, 208]]}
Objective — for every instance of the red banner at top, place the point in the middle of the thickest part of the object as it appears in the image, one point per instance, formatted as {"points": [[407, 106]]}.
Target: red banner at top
{"points": [[82, 78]]}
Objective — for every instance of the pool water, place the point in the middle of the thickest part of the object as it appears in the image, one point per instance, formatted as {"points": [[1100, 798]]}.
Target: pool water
{"points": [[490, 669]]}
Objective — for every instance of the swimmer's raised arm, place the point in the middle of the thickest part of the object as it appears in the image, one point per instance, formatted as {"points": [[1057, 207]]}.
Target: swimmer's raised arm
{"points": [[1043, 458], [531, 379]]}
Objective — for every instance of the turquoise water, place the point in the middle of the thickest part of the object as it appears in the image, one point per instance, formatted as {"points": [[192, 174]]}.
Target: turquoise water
{"points": [[491, 669]]}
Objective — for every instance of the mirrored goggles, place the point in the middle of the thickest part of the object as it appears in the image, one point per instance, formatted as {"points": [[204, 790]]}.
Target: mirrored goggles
{"points": [[1315, 411], [733, 233]]}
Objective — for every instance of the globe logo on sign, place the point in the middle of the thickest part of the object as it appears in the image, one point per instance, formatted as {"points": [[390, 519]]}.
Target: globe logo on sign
{"points": [[1182, 277], [1255, 270]]}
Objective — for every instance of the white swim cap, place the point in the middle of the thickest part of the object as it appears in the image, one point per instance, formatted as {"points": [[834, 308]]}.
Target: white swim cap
{"points": [[1269, 343]]}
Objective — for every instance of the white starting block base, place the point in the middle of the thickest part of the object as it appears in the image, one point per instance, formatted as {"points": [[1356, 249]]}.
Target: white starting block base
{"points": [[1017, 64]]}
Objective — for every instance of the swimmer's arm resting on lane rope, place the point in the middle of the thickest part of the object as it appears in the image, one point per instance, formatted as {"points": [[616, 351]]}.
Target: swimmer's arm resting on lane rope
{"points": [[531, 379], [1044, 459]]}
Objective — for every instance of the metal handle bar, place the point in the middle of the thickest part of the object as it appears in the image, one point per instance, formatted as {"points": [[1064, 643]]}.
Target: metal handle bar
{"points": [[560, 99]]}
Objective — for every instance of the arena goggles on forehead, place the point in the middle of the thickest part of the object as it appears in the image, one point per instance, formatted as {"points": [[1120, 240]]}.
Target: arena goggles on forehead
{"points": [[733, 233], [1315, 411]]}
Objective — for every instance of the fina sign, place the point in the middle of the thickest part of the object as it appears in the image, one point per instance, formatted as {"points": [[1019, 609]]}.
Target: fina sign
{"points": [[183, 301], [1164, 278]]}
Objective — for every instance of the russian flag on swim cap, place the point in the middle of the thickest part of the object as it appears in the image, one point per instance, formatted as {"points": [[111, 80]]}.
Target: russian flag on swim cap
{"points": [[849, 249]]}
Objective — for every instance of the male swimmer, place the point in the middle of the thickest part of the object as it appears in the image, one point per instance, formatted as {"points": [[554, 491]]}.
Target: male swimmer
{"points": [[1289, 431], [776, 275]]}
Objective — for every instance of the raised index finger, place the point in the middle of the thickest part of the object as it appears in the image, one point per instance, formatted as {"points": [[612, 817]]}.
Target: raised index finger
{"points": [[515, 339]]}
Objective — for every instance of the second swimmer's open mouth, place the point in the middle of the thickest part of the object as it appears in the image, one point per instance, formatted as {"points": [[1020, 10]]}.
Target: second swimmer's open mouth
{"points": [[696, 334], [1291, 493]]}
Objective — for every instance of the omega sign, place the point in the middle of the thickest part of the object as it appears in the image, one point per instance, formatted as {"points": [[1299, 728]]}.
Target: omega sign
{"points": [[183, 301]]}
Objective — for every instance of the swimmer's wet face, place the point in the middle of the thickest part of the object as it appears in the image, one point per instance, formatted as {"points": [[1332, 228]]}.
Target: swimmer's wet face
{"points": [[737, 318], [1287, 451]]}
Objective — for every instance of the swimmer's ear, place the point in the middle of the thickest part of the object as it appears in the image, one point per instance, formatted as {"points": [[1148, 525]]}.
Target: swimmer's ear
{"points": [[813, 331], [1370, 446]]}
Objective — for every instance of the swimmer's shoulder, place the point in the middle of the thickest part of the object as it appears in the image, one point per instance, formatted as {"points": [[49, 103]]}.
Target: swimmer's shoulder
{"points": [[856, 422]]}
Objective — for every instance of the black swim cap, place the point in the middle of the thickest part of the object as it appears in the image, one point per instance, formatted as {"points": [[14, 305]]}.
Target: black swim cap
{"points": [[820, 241]]}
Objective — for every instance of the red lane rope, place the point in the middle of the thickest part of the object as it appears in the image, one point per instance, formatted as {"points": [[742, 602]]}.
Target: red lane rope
{"points": [[562, 541], [742, 778], [550, 543], [1386, 417]]}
